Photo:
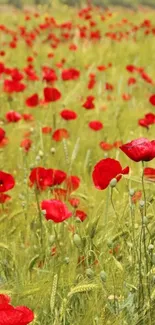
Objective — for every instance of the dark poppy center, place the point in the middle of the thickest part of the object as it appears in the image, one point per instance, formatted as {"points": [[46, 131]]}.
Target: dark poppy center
{"points": [[1, 182]]}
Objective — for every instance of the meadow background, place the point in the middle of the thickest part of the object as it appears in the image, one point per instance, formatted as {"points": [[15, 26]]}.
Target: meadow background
{"points": [[79, 272]]}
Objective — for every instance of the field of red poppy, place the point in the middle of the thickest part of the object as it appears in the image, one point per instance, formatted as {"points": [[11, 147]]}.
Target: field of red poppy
{"points": [[77, 149]]}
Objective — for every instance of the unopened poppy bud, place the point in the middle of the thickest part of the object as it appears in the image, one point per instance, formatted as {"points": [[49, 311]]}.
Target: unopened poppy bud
{"points": [[103, 276], [66, 260], [90, 273], [52, 237], [43, 212], [141, 204], [96, 319], [110, 243], [78, 220], [41, 154], [77, 240], [132, 192], [37, 158], [113, 182], [150, 247], [31, 167], [52, 150], [145, 220]]}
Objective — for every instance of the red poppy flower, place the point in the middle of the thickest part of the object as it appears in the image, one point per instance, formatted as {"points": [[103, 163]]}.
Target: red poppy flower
{"points": [[13, 116], [88, 104], [4, 198], [131, 81], [147, 120], [81, 215], [32, 101], [11, 86], [2, 134], [146, 77], [74, 202], [149, 173], [16, 75], [4, 299], [137, 196], [60, 134], [46, 129], [150, 118], [72, 183], [152, 100], [10, 315], [91, 83], [105, 170], [73, 47], [55, 210], [126, 97], [95, 125], [7, 182], [108, 86], [106, 146], [27, 117], [68, 115], [70, 74], [131, 68], [117, 144], [58, 177], [26, 144], [140, 149], [49, 74], [59, 194], [142, 122], [101, 68], [51, 94], [41, 177]]}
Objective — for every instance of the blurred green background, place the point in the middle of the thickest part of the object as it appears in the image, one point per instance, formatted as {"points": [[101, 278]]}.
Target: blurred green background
{"points": [[131, 4]]}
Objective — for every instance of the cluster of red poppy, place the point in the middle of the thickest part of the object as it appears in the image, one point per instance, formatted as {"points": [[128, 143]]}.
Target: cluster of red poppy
{"points": [[108, 169], [55, 208]]}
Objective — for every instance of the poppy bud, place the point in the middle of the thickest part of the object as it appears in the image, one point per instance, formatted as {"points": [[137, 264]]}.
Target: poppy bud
{"points": [[103, 276], [145, 220], [110, 243], [78, 220], [40, 153], [77, 240], [37, 158], [141, 204], [52, 237], [66, 260], [132, 192], [52, 150], [113, 182], [90, 273], [150, 247]]}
